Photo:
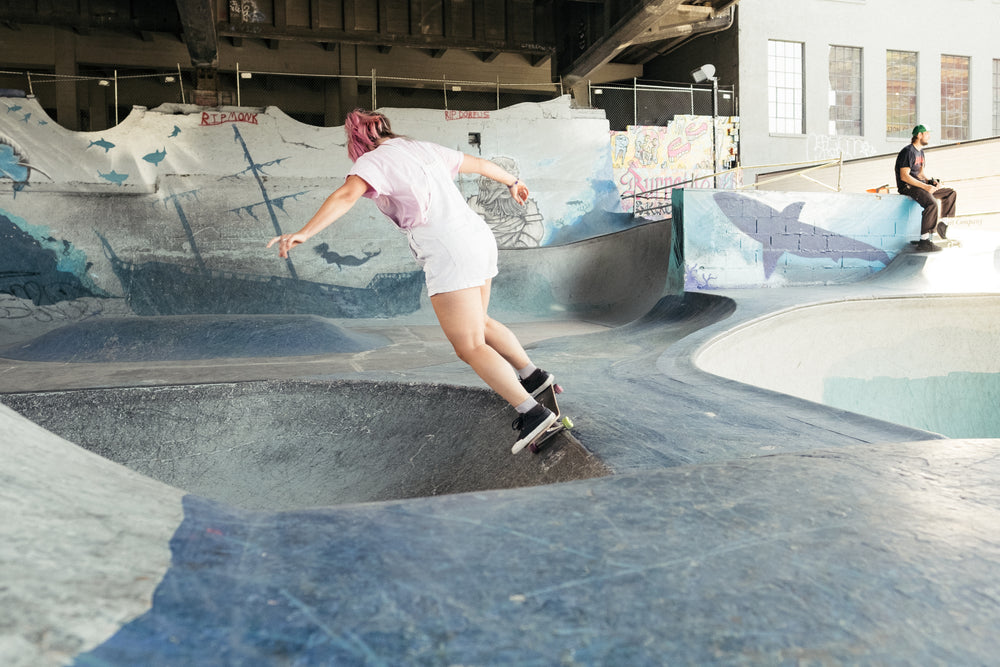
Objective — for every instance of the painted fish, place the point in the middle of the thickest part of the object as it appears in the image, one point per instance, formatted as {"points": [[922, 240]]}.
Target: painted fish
{"points": [[156, 157], [114, 177], [101, 143]]}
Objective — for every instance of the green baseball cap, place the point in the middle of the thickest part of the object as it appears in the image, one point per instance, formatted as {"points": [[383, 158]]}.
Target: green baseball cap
{"points": [[918, 129]]}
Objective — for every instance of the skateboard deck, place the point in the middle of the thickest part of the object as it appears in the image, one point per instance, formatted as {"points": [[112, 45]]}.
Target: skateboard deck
{"points": [[944, 243], [548, 398]]}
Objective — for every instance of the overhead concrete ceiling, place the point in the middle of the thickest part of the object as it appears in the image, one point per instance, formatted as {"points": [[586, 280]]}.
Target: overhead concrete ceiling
{"points": [[580, 37]]}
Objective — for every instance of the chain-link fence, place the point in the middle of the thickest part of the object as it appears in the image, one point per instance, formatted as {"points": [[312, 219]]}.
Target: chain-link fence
{"points": [[648, 104], [103, 98]]}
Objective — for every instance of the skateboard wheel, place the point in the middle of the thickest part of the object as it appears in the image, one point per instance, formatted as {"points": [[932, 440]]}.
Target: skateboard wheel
{"points": [[567, 422], [533, 448], [557, 389]]}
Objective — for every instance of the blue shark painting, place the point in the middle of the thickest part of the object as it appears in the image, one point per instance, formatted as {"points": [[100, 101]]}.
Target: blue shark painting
{"points": [[101, 143], [114, 177], [155, 157], [781, 232], [176, 131]]}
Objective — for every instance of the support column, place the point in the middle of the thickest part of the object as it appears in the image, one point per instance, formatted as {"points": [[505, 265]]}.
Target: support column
{"points": [[98, 106], [67, 105], [349, 84], [331, 103]]}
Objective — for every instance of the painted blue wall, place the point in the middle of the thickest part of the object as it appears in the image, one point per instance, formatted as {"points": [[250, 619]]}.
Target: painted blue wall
{"points": [[738, 239]]}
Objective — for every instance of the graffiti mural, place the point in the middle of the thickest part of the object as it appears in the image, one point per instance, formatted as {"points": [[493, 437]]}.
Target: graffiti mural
{"points": [[169, 212], [648, 161], [163, 288], [770, 239], [15, 165], [513, 225], [40, 269]]}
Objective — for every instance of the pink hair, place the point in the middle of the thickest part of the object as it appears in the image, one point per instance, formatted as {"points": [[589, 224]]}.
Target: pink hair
{"points": [[364, 129]]}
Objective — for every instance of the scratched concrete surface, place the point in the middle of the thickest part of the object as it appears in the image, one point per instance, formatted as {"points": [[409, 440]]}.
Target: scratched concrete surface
{"points": [[739, 525]]}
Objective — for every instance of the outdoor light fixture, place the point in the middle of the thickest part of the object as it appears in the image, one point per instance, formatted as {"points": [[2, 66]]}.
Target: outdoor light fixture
{"points": [[104, 82], [168, 79], [704, 73], [246, 75]]}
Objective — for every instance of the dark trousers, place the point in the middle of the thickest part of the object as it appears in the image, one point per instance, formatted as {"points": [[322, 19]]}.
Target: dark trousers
{"points": [[929, 203]]}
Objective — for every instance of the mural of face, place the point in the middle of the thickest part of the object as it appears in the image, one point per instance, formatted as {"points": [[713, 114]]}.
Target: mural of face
{"points": [[513, 225]]}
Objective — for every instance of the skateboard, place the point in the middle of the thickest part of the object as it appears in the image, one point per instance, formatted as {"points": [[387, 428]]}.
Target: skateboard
{"points": [[944, 243], [548, 398]]}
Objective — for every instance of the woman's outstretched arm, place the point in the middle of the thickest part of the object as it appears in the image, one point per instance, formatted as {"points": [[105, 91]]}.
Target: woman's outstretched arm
{"points": [[477, 165], [336, 205]]}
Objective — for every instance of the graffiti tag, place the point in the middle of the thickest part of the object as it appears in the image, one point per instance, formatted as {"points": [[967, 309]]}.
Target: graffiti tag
{"points": [[462, 115], [221, 117]]}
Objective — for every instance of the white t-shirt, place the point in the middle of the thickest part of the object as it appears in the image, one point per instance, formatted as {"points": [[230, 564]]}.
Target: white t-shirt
{"points": [[412, 181], [413, 184]]}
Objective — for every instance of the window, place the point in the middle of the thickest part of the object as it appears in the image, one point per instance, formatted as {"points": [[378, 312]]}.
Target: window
{"points": [[845, 91], [785, 88], [955, 97], [996, 98], [901, 93]]}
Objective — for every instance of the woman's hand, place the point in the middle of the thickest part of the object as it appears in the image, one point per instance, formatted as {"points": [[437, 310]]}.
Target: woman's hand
{"points": [[519, 191], [286, 242]]}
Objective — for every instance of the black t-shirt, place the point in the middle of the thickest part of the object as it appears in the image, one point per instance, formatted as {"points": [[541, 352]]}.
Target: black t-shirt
{"points": [[911, 157]]}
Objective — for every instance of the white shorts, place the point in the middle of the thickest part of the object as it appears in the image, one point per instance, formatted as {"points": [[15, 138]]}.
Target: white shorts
{"points": [[455, 255]]}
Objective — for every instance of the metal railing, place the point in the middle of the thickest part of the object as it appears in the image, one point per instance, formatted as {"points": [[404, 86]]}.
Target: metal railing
{"points": [[657, 104], [657, 200]]}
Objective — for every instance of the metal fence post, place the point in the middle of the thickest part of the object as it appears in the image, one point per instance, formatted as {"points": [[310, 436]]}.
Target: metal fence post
{"points": [[635, 101]]}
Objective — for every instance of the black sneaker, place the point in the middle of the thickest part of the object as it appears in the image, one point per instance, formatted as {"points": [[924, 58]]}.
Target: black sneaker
{"points": [[925, 245], [942, 230], [535, 383], [530, 425]]}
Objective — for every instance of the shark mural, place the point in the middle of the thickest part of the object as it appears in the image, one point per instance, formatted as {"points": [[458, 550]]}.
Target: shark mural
{"points": [[741, 239], [15, 164], [781, 232]]}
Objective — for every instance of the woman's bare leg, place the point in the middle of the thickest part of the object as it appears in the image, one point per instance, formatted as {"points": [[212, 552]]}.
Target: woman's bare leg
{"points": [[462, 315], [500, 338]]}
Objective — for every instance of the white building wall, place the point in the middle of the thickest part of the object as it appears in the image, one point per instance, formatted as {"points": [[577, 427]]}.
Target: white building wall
{"points": [[929, 28]]}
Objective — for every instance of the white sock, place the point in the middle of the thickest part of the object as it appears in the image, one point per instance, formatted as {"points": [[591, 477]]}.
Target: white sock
{"points": [[925, 237], [523, 373], [526, 406]]}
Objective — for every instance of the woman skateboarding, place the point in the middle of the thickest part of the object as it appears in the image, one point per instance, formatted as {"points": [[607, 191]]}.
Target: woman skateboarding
{"points": [[413, 184]]}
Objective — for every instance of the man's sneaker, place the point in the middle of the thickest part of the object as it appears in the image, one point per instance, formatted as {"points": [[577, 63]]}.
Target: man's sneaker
{"points": [[535, 383], [925, 245], [530, 425], [942, 230]]}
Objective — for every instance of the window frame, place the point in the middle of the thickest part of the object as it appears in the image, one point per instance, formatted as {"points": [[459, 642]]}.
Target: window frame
{"points": [[907, 87], [849, 115], [786, 106]]}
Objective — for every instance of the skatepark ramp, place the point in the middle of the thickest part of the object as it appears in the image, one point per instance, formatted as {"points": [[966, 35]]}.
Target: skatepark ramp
{"points": [[279, 445]]}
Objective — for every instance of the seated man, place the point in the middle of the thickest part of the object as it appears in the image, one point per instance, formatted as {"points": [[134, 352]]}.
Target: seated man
{"points": [[911, 181]]}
